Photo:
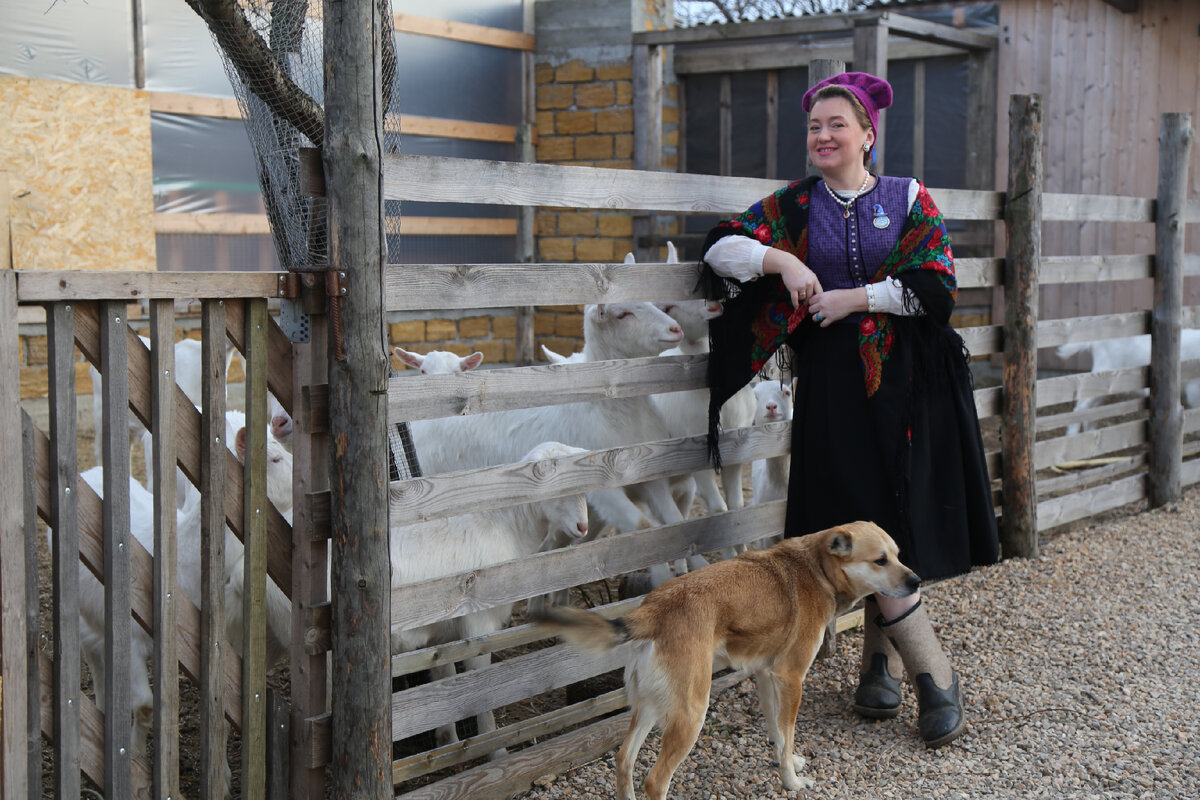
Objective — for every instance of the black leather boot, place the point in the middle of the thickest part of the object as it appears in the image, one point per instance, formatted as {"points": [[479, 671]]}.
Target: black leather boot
{"points": [[878, 692], [940, 717]]}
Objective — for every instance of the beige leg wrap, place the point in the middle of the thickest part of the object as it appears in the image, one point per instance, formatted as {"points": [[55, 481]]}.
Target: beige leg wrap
{"points": [[876, 641], [913, 636]]}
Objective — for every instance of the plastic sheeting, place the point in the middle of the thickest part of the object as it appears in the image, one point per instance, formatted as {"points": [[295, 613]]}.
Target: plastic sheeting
{"points": [[206, 165]]}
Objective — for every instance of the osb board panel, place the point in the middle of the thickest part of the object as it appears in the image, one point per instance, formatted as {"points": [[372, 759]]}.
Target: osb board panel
{"points": [[80, 175]]}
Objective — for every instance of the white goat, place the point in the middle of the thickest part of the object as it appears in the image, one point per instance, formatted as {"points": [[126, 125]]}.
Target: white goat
{"points": [[455, 545], [438, 362], [1130, 351], [769, 476], [189, 377], [687, 412], [617, 331], [188, 574]]}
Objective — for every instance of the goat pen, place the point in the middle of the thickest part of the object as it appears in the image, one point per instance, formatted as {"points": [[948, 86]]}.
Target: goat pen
{"points": [[41, 697]]}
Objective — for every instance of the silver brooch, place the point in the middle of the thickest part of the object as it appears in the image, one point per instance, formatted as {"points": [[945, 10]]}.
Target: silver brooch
{"points": [[881, 219]]}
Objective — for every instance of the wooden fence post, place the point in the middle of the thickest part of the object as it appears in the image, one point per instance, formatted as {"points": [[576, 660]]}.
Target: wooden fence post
{"points": [[14, 764], [1023, 222], [1175, 136], [358, 379], [647, 134]]}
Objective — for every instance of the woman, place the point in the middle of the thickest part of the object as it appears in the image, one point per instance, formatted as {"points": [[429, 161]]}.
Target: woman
{"points": [[853, 272]]}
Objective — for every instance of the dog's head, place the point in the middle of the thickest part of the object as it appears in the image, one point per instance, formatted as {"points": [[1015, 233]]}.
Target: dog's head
{"points": [[868, 562]]}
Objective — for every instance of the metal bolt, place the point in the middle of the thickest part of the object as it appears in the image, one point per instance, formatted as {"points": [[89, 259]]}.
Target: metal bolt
{"points": [[117, 320], [67, 490]]}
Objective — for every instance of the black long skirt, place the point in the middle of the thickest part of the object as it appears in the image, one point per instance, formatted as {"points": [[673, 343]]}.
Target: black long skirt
{"points": [[909, 459]]}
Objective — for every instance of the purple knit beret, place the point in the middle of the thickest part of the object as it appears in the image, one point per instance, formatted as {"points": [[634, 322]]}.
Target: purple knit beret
{"points": [[874, 93]]}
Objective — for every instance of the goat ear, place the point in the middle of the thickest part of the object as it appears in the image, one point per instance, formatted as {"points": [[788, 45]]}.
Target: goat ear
{"points": [[841, 543], [411, 359], [672, 253], [240, 444], [551, 356], [629, 258], [472, 361]]}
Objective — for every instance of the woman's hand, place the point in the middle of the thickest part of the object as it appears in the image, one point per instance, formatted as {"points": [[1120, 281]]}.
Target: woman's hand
{"points": [[801, 282], [827, 308]]}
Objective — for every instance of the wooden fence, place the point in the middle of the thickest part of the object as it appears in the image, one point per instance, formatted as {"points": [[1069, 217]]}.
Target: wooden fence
{"points": [[40, 695]]}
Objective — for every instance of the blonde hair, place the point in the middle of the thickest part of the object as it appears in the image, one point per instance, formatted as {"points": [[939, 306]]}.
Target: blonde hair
{"points": [[860, 113]]}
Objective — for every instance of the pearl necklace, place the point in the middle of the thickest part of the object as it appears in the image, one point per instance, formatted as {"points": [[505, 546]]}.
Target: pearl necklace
{"points": [[845, 204]]}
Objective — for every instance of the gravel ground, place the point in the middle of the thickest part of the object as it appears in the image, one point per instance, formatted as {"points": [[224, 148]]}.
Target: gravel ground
{"points": [[1081, 672]]}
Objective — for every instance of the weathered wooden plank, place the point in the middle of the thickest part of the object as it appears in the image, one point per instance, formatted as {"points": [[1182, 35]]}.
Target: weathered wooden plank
{"points": [[521, 732], [279, 726], [1106, 411], [310, 538], [254, 563], [14, 676], [480, 391], [33, 632], [62, 499], [445, 598], [1089, 444], [983, 339], [974, 273], [279, 359], [1094, 269], [118, 629], [463, 180], [213, 449], [1089, 502], [1088, 477], [426, 706], [165, 764], [926, 31], [462, 32], [438, 496], [1096, 208], [119, 285], [425, 286], [426, 657], [779, 55], [1055, 332]]}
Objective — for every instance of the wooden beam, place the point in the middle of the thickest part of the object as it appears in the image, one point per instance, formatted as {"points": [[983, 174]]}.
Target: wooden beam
{"points": [[786, 55], [259, 225], [228, 108], [463, 32]]}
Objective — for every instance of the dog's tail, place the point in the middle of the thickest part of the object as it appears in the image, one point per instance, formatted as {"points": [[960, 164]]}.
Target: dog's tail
{"points": [[589, 632]]}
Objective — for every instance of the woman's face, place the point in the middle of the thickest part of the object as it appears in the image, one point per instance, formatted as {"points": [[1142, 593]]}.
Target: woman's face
{"points": [[835, 136]]}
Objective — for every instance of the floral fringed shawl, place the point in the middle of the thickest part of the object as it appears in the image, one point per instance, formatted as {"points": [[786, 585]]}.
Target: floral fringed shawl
{"points": [[759, 316]]}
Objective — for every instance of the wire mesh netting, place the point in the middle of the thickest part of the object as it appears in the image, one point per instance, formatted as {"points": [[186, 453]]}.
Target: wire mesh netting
{"points": [[273, 55], [272, 52]]}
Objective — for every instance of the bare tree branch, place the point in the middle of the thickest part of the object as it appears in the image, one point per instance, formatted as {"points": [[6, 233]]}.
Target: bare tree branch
{"points": [[263, 76]]}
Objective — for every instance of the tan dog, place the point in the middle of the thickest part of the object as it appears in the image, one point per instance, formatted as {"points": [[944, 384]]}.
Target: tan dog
{"points": [[764, 612]]}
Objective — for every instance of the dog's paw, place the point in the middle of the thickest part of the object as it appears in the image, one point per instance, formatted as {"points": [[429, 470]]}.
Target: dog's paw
{"points": [[797, 783], [799, 761]]}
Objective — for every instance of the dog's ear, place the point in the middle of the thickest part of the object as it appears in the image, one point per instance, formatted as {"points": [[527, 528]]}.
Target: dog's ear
{"points": [[841, 543]]}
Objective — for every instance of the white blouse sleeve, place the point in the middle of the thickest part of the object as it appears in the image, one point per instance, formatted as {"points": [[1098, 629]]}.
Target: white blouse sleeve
{"points": [[737, 257]]}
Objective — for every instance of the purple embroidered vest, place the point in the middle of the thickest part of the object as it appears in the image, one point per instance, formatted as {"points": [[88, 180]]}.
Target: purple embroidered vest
{"points": [[845, 252]]}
